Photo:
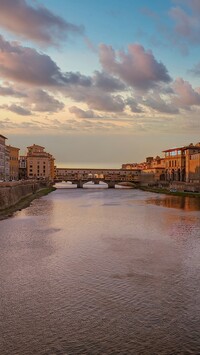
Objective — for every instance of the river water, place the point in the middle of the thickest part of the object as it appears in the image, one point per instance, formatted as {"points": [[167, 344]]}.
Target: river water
{"points": [[101, 271]]}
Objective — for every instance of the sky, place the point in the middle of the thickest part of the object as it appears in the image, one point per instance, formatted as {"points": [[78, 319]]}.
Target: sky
{"points": [[100, 82]]}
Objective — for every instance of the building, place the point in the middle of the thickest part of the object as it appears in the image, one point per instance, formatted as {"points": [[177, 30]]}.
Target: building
{"points": [[22, 167], [2, 157], [178, 162], [40, 164], [193, 168], [193, 164], [129, 166], [155, 166], [14, 162], [7, 164]]}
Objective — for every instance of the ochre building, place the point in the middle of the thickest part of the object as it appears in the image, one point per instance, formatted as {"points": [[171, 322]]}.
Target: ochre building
{"points": [[181, 163], [40, 164]]}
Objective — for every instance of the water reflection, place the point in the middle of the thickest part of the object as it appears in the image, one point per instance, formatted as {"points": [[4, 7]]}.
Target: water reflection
{"points": [[179, 202], [101, 271]]}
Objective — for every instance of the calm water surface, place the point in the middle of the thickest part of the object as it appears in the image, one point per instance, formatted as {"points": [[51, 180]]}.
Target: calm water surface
{"points": [[101, 271]]}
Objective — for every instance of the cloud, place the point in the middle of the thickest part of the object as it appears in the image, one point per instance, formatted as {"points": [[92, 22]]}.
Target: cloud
{"points": [[186, 22], [158, 104], [133, 105], [9, 91], [107, 82], [196, 70], [39, 100], [137, 68], [97, 99], [79, 113], [23, 64], [26, 65], [35, 23], [77, 79], [19, 110], [186, 96]]}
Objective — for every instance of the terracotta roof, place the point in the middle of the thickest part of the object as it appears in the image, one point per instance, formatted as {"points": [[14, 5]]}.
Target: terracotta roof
{"points": [[182, 148], [3, 136]]}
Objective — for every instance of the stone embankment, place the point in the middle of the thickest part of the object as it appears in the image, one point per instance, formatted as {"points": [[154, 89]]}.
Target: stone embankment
{"points": [[185, 187], [12, 193], [174, 188]]}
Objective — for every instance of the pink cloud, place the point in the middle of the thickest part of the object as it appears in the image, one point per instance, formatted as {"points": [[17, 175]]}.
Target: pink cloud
{"points": [[187, 25], [35, 23], [79, 113], [186, 96], [26, 65], [137, 68]]}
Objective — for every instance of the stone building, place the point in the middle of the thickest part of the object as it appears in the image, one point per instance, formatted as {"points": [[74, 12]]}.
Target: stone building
{"points": [[7, 164], [14, 162], [193, 165], [155, 166], [40, 164], [2, 157], [22, 167], [179, 161]]}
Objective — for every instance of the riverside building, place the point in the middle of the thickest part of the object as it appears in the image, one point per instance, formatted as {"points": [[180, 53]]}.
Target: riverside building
{"points": [[40, 164], [182, 163], [2, 157], [14, 162]]}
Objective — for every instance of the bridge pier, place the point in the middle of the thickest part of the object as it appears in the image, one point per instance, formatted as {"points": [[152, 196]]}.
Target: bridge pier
{"points": [[111, 185], [79, 184]]}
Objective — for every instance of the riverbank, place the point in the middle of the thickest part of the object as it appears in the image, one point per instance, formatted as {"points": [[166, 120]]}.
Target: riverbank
{"points": [[24, 202], [170, 192]]}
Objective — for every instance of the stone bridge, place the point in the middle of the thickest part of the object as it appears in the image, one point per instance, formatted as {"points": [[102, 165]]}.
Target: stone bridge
{"points": [[111, 177]]}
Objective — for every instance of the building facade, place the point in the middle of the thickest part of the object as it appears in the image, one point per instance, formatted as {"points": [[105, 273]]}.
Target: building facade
{"points": [[178, 162], [2, 157], [7, 164], [193, 166], [22, 167], [40, 164], [155, 166], [14, 162]]}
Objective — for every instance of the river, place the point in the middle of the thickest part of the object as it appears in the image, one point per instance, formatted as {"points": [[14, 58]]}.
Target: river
{"points": [[101, 271]]}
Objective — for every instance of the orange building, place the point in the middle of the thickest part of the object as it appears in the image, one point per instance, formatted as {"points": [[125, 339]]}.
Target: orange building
{"points": [[40, 164], [155, 166], [177, 162], [193, 167]]}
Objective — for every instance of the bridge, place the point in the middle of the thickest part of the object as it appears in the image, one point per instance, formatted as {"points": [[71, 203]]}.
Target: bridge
{"points": [[111, 177]]}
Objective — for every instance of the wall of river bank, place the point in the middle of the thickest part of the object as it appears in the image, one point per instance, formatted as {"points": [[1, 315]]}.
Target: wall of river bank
{"points": [[11, 193]]}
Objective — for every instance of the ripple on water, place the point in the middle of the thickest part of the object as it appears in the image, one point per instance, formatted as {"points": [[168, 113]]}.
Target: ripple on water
{"points": [[100, 272]]}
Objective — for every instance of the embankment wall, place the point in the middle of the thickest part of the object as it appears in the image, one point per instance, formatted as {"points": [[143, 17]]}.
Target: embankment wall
{"points": [[13, 192]]}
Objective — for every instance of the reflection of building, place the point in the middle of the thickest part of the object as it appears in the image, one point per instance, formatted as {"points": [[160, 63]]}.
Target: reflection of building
{"points": [[2, 157], [177, 162], [40, 164], [14, 162]]}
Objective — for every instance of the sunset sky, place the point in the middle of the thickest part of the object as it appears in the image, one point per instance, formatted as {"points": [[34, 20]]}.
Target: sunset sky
{"points": [[100, 82]]}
